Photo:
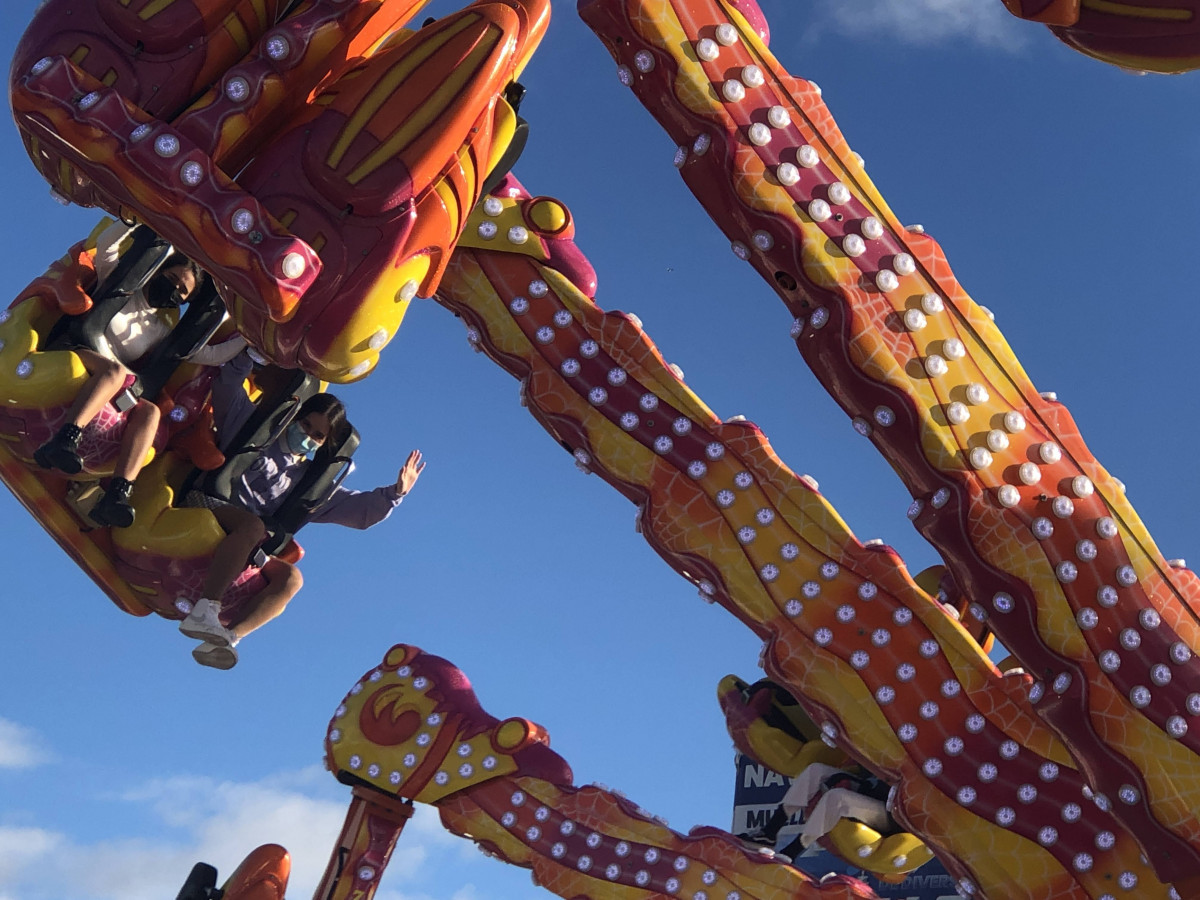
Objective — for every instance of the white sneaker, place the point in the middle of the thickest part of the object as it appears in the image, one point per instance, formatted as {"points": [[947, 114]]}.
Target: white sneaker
{"points": [[203, 623], [215, 656]]}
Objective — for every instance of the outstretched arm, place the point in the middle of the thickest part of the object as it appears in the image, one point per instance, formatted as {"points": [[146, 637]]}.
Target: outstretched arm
{"points": [[362, 509], [409, 473]]}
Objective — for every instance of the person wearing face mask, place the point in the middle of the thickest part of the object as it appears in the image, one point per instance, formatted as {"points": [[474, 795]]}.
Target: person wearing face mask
{"points": [[260, 491], [136, 329]]}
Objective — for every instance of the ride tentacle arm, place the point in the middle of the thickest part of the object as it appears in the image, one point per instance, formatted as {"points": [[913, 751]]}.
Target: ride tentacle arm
{"points": [[1031, 526], [846, 627], [325, 171], [1138, 35], [412, 728]]}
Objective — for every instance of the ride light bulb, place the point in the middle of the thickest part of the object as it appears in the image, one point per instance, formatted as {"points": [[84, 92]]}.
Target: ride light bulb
{"points": [[242, 220], [957, 413], [191, 173], [807, 156], [789, 175], [779, 117], [838, 193], [727, 34], [166, 145], [707, 49], [935, 366], [759, 134], [980, 457], [733, 91], [237, 89], [886, 280], [293, 265], [278, 48], [1014, 422], [752, 76], [853, 245], [819, 210], [872, 228]]}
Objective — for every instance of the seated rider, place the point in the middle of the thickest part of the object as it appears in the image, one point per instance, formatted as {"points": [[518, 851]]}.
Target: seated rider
{"points": [[844, 795], [260, 490], [130, 335]]}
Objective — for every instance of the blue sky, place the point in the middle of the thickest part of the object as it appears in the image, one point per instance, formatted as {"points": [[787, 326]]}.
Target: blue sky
{"points": [[1063, 192]]}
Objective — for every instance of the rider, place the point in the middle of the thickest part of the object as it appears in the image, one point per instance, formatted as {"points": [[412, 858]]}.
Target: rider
{"points": [[844, 795], [319, 424], [136, 329]]}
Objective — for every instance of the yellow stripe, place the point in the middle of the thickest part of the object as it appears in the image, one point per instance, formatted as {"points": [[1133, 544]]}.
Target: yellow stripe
{"points": [[237, 31], [1137, 12], [64, 177], [80, 53], [430, 110], [260, 9], [383, 91], [453, 207], [288, 218], [470, 171], [153, 8], [109, 78]]}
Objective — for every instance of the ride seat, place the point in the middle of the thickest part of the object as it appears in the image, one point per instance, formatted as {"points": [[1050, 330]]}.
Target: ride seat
{"points": [[284, 393], [133, 271]]}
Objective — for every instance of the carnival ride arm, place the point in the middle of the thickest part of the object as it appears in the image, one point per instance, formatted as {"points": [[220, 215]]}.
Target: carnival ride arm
{"points": [[847, 630], [927, 375]]}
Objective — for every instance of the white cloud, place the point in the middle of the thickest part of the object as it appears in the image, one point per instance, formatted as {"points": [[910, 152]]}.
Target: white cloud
{"points": [[924, 22], [200, 819], [19, 747], [19, 847]]}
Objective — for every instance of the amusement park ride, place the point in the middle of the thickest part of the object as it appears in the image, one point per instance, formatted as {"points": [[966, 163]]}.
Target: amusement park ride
{"points": [[327, 166]]}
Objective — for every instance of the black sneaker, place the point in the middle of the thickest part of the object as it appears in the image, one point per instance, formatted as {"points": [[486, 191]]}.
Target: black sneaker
{"points": [[61, 451], [113, 509]]}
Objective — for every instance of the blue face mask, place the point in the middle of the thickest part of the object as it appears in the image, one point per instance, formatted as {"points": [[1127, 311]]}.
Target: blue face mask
{"points": [[299, 442]]}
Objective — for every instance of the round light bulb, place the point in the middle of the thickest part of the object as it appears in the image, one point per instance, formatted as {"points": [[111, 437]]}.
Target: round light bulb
{"points": [[819, 210], [853, 245], [759, 134], [733, 91], [293, 265], [997, 440]]}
